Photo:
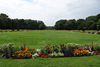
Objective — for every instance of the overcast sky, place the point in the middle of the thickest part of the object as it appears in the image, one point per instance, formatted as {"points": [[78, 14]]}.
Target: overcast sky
{"points": [[49, 11]]}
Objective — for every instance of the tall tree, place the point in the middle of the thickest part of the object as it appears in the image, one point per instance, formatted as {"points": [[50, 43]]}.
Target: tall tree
{"points": [[41, 25], [60, 24], [98, 25], [4, 21], [80, 24]]}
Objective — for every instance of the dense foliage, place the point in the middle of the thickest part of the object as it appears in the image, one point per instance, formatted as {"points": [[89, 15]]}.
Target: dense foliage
{"points": [[7, 23], [90, 23]]}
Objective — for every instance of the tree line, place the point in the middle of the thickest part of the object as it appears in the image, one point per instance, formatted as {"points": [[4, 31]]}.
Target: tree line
{"points": [[90, 23], [7, 23]]}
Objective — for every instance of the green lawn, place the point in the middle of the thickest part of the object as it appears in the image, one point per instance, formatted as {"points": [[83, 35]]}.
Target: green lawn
{"points": [[36, 39], [87, 61]]}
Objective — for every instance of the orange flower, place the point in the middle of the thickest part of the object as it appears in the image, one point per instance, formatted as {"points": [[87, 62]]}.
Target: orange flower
{"points": [[80, 52], [13, 55], [10, 58], [80, 48]]}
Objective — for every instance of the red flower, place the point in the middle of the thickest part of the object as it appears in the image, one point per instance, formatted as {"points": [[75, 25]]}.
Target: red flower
{"points": [[51, 51], [24, 45], [53, 46], [92, 43], [40, 54], [48, 47], [62, 45], [92, 51], [99, 53], [47, 53], [46, 56], [96, 52]]}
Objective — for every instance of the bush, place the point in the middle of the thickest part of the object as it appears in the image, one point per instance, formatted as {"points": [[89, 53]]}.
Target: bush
{"points": [[54, 54], [96, 48], [67, 52], [71, 46], [6, 50]]}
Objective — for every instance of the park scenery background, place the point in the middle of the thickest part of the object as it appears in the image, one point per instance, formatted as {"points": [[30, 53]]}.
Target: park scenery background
{"points": [[71, 43]]}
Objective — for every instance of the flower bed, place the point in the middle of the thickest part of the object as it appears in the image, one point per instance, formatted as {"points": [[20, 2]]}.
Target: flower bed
{"points": [[69, 50]]}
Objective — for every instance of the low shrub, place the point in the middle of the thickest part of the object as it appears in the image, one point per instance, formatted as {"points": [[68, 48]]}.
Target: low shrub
{"points": [[66, 51], [6, 50], [54, 54], [96, 48], [71, 46]]}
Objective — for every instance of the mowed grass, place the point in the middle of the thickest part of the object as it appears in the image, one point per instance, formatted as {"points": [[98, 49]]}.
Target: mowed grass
{"points": [[39, 38], [87, 61]]}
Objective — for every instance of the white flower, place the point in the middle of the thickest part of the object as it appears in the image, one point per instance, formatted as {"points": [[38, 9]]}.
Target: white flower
{"points": [[38, 50], [35, 55]]}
